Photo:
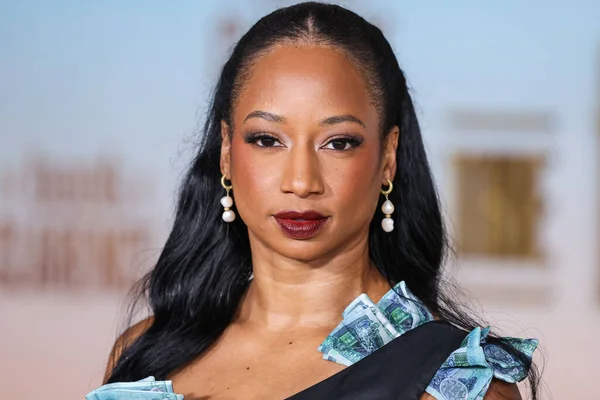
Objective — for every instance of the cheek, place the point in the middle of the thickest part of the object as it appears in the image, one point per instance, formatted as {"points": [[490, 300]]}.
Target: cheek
{"points": [[355, 184], [253, 177]]}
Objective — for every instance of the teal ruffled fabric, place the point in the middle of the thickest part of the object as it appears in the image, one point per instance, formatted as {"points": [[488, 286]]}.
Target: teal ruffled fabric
{"points": [[146, 389], [468, 371], [366, 327], [465, 375]]}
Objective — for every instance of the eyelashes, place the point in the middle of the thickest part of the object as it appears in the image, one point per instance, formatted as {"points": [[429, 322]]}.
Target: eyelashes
{"points": [[344, 143], [262, 139], [339, 143]]}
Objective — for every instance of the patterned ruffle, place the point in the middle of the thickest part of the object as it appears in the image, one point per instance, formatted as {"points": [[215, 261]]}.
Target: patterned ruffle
{"points": [[468, 371], [146, 389], [366, 327]]}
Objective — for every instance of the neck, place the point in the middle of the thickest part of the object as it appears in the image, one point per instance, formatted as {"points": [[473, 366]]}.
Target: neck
{"points": [[290, 294]]}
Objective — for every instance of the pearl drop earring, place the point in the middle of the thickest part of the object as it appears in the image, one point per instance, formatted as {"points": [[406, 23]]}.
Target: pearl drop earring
{"points": [[387, 208], [227, 202]]}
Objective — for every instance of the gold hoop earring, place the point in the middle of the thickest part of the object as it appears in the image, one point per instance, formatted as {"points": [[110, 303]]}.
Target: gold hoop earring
{"points": [[227, 202], [387, 224]]}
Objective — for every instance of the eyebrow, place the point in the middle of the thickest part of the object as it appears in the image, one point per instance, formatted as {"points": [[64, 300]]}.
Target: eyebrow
{"points": [[265, 115], [336, 119]]}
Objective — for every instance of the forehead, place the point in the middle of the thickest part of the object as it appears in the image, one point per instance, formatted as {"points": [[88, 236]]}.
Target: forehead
{"points": [[306, 80]]}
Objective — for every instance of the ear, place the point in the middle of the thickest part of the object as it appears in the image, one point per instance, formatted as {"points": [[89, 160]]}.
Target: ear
{"points": [[225, 161], [389, 155]]}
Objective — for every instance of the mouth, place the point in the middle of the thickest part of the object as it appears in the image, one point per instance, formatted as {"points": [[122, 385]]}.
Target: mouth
{"points": [[301, 225]]}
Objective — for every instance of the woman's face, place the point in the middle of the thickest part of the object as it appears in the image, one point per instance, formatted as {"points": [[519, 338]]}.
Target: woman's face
{"points": [[305, 157]]}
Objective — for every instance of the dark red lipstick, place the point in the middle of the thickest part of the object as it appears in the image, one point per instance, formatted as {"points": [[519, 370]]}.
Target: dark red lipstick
{"points": [[300, 224]]}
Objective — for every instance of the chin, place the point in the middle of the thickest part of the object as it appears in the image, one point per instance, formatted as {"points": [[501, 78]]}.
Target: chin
{"points": [[306, 251], [319, 248]]}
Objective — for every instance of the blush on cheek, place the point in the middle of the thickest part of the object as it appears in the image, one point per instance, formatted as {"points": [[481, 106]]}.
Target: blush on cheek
{"points": [[356, 188], [358, 176], [255, 176]]}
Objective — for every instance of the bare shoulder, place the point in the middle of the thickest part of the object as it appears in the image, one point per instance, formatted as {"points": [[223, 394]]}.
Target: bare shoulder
{"points": [[498, 390], [126, 338]]}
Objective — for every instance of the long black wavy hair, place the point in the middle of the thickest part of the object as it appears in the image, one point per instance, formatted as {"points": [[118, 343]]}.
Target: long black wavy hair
{"points": [[205, 265]]}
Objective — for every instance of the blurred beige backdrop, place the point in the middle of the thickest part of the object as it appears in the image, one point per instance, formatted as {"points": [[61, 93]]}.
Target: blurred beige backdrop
{"points": [[99, 102]]}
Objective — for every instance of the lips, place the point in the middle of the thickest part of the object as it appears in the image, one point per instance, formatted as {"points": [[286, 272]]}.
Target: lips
{"points": [[301, 225]]}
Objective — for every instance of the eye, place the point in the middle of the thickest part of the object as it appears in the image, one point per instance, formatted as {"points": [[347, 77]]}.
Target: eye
{"points": [[262, 140], [343, 143], [267, 142]]}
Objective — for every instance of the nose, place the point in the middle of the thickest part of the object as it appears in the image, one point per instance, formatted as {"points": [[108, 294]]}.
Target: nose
{"points": [[302, 173]]}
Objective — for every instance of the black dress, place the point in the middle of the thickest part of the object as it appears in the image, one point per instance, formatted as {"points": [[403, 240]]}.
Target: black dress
{"points": [[400, 370]]}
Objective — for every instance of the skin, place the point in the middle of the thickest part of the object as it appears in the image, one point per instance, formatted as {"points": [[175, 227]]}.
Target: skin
{"points": [[300, 287]]}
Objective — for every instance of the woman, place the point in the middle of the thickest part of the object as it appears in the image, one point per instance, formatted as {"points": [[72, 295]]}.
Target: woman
{"points": [[304, 222]]}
